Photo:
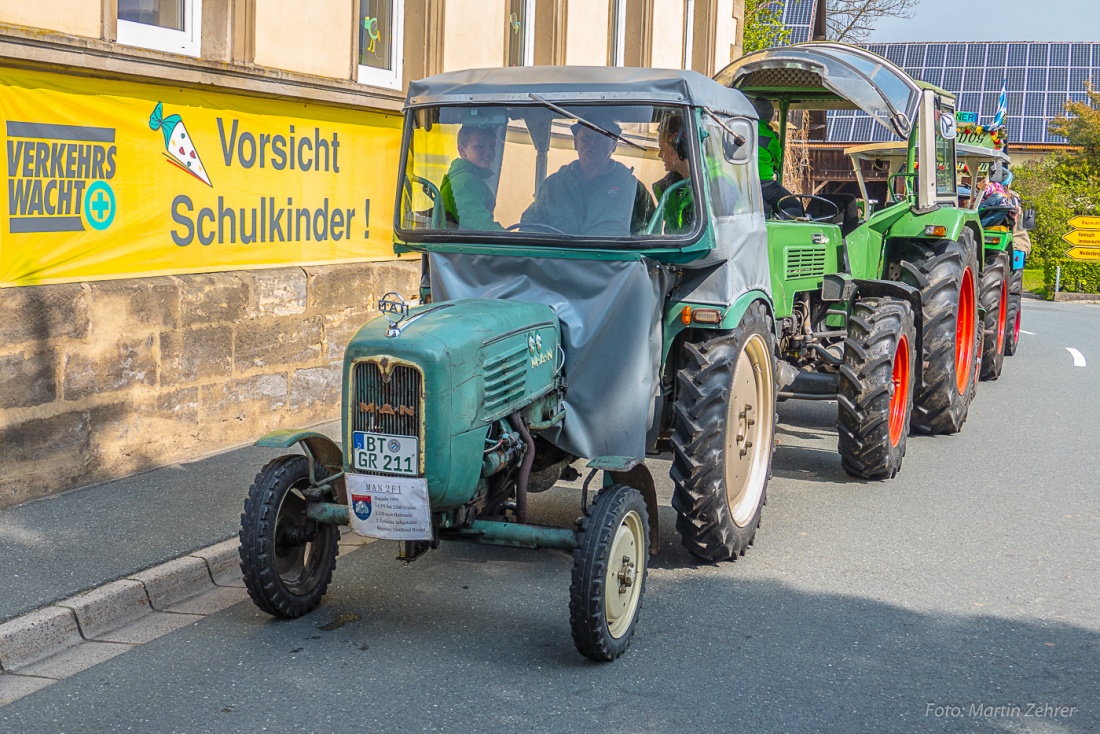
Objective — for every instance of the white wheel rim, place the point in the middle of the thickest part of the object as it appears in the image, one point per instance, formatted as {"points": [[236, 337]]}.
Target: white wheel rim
{"points": [[625, 572], [749, 425]]}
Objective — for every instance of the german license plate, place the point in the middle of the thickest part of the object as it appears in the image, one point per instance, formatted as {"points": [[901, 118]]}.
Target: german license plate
{"points": [[381, 452]]}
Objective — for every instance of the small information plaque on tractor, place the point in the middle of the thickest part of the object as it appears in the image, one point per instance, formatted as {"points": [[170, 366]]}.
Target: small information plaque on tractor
{"points": [[390, 508]]}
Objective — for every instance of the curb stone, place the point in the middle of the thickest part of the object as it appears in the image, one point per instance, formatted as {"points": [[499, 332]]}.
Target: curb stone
{"points": [[52, 643]]}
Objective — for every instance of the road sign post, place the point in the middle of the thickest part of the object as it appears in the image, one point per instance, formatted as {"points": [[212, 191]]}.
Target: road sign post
{"points": [[1085, 238], [1084, 253]]}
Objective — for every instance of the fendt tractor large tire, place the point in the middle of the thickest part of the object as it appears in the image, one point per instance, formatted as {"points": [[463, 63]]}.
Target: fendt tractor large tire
{"points": [[875, 394], [1015, 308], [946, 272], [286, 558], [994, 299], [610, 566], [723, 432]]}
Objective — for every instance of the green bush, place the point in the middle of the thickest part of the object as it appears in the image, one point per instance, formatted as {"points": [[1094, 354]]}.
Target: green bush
{"points": [[1057, 192], [1077, 276]]}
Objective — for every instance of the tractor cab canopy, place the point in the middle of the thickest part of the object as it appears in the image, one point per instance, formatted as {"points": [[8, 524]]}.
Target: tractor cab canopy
{"points": [[829, 76], [974, 165], [574, 157]]}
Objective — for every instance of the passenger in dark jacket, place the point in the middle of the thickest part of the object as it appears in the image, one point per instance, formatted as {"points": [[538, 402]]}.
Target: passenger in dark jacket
{"points": [[593, 196]]}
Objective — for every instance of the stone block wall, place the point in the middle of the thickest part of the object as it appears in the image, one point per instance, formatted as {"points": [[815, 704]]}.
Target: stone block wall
{"points": [[101, 380]]}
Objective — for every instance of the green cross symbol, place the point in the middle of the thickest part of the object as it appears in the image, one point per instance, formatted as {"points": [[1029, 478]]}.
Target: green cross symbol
{"points": [[100, 205]]}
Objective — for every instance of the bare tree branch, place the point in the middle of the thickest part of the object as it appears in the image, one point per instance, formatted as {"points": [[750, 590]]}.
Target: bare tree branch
{"points": [[854, 20]]}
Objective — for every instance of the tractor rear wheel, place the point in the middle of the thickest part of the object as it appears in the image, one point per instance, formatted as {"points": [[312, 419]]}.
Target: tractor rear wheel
{"points": [[1015, 302], [286, 558], [945, 272], [723, 432], [875, 393], [609, 571], [994, 299]]}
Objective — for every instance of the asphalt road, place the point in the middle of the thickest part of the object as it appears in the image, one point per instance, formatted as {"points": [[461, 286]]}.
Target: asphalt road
{"points": [[959, 597]]}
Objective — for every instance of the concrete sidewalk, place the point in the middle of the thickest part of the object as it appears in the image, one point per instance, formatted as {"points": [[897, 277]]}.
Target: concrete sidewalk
{"points": [[56, 547]]}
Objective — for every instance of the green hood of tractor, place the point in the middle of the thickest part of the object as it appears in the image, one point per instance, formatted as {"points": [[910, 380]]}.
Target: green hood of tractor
{"points": [[481, 360]]}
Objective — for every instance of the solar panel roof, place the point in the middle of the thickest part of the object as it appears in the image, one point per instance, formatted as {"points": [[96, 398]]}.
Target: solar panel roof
{"points": [[1039, 77]]}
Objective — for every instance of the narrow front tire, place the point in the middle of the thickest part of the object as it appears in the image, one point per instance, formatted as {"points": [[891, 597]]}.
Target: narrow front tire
{"points": [[609, 572]]}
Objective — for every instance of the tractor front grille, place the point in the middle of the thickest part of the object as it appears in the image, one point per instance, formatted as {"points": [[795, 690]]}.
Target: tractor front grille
{"points": [[505, 381], [387, 398], [805, 262]]}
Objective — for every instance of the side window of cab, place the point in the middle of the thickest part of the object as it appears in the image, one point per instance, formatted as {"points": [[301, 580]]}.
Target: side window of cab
{"points": [[729, 166]]}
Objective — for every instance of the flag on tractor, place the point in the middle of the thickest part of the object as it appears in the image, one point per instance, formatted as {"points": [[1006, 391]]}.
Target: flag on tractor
{"points": [[1002, 107]]}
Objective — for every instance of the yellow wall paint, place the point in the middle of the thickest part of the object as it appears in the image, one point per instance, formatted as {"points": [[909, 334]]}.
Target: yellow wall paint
{"points": [[668, 34], [474, 36], [75, 17], [587, 36], [311, 38]]}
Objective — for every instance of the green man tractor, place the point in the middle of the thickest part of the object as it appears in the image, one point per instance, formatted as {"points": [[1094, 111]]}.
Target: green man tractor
{"points": [[597, 286], [876, 303]]}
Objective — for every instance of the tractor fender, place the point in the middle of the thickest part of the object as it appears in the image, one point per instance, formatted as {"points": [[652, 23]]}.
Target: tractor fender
{"points": [[633, 473], [318, 448], [905, 292]]}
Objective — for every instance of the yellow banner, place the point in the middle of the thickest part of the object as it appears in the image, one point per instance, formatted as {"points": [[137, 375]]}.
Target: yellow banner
{"points": [[110, 179]]}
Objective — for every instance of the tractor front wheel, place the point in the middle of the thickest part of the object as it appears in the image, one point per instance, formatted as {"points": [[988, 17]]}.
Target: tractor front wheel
{"points": [[875, 394], [609, 572], [994, 299], [286, 558], [945, 272], [723, 431]]}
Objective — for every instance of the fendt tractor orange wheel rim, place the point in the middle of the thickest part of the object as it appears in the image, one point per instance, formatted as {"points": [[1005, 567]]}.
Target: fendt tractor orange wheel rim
{"points": [[964, 331], [1002, 318], [899, 401]]}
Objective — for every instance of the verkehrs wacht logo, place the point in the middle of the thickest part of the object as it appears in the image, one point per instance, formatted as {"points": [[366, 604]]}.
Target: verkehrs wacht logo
{"points": [[57, 177]]}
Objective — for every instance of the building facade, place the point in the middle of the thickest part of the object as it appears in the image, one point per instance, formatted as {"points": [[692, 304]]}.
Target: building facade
{"points": [[160, 299]]}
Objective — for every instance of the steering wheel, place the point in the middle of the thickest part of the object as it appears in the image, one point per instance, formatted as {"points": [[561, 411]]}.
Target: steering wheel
{"points": [[538, 225], [781, 213]]}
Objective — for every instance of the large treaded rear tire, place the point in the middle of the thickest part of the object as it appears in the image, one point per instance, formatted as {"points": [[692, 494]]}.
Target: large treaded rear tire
{"points": [[610, 566], [994, 299], [1015, 309], [945, 271], [723, 433], [286, 559], [875, 393]]}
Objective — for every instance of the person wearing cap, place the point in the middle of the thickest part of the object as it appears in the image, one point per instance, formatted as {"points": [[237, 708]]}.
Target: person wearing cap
{"points": [[467, 199], [594, 195], [770, 156]]}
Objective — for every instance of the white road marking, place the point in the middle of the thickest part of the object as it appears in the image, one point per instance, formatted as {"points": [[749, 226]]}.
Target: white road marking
{"points": [[1078, 358], [1032, 333]]}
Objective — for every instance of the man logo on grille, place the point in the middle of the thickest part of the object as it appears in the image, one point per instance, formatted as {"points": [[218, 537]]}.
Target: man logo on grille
{"points": [[387, 409]]}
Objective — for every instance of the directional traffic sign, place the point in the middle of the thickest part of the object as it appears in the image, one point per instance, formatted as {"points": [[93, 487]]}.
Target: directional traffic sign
{"points": [[1082, 237], [1085, 222], [1084, 253]]}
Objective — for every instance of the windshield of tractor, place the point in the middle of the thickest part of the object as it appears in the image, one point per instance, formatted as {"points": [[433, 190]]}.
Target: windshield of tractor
{"points": [[558, 173]]}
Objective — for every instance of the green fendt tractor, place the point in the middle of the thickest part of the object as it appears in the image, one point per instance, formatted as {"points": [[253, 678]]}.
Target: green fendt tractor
{"points": [[873, 302], [567, 314]]}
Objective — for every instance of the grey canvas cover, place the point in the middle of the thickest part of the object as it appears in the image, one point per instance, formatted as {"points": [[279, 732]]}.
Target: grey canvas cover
{"points": [[610, 313], [589, 84]]}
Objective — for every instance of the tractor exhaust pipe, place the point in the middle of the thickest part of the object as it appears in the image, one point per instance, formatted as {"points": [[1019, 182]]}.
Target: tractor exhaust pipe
{"points": [[525, 467]]}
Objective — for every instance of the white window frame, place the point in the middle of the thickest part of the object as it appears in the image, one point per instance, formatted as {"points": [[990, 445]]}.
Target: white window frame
{"points": [[389, 79], [618, 33], [187, 42], [529, 33]]}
